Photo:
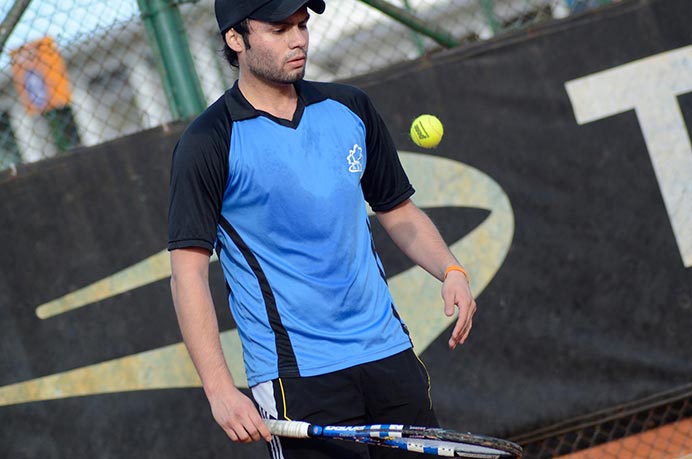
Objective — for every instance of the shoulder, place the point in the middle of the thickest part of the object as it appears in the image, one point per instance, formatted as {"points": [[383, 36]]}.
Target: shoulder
{"points": [[354, 98], [338, 91], [206, 136], [215, 120]]}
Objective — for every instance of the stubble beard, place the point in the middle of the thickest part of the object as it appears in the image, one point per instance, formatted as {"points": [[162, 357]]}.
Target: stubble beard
{"points": [[263, 66]]}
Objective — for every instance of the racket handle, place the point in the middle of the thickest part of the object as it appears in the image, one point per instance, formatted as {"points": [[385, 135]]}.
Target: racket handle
{"points": [[291, 429]]}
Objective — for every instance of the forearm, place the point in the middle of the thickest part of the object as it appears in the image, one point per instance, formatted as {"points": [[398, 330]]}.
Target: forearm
{"points": [[232, 409], [198, 324], [417, 236]]}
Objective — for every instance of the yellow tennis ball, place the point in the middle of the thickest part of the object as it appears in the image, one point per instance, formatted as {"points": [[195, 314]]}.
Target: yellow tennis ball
{"points": [[427, 131]]}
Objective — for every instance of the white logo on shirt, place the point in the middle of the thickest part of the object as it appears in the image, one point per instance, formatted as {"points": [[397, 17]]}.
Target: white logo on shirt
{"points": [[353, 158]]}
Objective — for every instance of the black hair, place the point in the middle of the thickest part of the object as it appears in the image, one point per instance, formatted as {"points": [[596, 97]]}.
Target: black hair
{"points": [[243, 29]]}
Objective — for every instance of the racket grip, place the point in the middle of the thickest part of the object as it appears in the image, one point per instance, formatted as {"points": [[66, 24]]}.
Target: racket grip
{"points": [[291, 429]]}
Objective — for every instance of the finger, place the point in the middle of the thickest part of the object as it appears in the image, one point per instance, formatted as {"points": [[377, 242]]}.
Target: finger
{"points": [[467, 332], [469, 322], [238, 433], [263, 430], [259, 428], [254, 434], [463, 326], [231, 434], [247, 434], [252, 426], [449, 305], [473, 307], [455, 339], [457, 333]]}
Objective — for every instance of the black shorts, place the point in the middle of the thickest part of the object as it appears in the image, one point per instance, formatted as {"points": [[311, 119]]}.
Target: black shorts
{"points": [[394, 390]]}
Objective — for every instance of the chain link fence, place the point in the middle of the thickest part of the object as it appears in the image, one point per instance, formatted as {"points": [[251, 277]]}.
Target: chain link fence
{"points": [[659, 427], [82, 72]]}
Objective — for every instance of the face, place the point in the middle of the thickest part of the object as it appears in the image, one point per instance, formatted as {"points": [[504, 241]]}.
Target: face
{"points": [[278, 51]]}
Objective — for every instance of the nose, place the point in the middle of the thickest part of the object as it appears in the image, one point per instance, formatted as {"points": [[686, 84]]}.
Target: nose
{"points": [[298, 37]]}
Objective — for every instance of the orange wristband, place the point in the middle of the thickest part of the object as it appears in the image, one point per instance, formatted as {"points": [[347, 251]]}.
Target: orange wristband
{"points": [[456, 268]]}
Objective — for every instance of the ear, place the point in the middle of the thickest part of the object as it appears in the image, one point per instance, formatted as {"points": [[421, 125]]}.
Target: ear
{"points": [[234, 40]]}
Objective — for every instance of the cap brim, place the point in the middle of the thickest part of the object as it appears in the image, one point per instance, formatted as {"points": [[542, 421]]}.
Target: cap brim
{"points": [[279, 10]]}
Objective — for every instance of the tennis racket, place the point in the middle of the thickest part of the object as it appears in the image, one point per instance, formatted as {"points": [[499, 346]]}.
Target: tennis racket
{"points": [[435, 441]]}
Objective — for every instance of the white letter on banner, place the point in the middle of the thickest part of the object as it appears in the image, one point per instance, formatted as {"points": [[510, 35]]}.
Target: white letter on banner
{"points": [[650, 86]]}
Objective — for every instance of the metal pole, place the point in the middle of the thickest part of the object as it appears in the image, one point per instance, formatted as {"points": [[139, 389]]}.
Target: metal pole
{"points": [[11, 20], [399, 14], [489, 13], [414, 36], [167, 36]]}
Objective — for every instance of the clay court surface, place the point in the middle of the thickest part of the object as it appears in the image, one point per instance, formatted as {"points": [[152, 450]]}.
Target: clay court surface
{"points": [[672, 441]]}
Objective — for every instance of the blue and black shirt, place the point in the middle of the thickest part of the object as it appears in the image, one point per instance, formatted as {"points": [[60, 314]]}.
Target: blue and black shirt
{"points": [[283, 204]]}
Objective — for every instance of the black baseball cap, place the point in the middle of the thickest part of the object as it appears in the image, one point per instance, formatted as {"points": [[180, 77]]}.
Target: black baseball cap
{"points": [[231, 12]]}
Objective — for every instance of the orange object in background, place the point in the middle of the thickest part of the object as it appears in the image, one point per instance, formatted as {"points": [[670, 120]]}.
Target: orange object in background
{"points": [[40, 76]]}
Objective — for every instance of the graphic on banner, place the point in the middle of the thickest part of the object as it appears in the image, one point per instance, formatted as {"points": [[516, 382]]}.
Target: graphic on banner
{"points": [[441, 183], [650, 87]]}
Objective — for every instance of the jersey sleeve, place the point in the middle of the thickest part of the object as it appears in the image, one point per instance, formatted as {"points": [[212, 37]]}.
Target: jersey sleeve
{"points": [[385, 183], [199, 171]]}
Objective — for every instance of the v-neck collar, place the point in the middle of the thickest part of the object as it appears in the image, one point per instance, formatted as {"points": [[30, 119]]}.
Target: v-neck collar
{"points": [[292, 123], [241, 109]]}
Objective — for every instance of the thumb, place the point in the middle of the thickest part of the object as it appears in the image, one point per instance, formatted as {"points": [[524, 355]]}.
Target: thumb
{"points": [[449, 305]]}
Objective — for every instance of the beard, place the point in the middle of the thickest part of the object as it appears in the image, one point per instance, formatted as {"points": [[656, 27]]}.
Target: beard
{"points": [[265, 66]]}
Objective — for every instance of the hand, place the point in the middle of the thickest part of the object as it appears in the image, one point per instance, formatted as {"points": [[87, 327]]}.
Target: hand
{"points": [[237, 416], [456, 292]]}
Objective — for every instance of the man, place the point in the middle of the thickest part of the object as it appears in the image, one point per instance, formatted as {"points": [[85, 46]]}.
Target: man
{"points": [[274, 176]]}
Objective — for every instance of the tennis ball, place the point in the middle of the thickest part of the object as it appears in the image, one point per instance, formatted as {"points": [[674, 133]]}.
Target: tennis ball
{"points": [[427, 131]]}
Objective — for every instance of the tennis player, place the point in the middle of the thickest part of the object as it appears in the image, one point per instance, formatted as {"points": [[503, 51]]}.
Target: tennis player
{"points": [[275, 176]]}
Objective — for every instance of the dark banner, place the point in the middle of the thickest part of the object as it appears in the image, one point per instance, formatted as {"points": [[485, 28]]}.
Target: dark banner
{"points": [[563, 182]]}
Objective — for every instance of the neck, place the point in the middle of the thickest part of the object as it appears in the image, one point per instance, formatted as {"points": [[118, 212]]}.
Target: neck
{"points": [[277, 99]]}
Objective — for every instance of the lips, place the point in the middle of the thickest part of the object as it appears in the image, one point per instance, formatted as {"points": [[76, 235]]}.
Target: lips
{"points": [[297, 60]]}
